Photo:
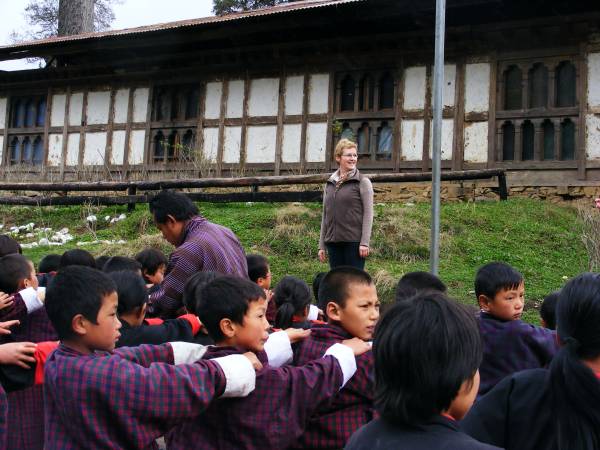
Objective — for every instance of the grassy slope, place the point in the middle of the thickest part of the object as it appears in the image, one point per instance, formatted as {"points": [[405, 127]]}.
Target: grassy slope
{"points": [[540, 239]]}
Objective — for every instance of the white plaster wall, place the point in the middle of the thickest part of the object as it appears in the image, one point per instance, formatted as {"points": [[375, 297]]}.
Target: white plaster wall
{"points": [[121, 105], [136, 146], [211, 144], [412, 140], [98, 104], [290, 148], [72, 149], [140, 104], [231, 146], [55, 144], [447, 136], [477, 87], [414, 87], [294, 93], [75, 109], [95, 149], [235, 99], [593, 80], [318, 101], [264, 97], [592, 136], [118, 147], [449, 84], [316, 137], [212, 104], [260, 144], [2, 113], [476, 142], [57, 113]]}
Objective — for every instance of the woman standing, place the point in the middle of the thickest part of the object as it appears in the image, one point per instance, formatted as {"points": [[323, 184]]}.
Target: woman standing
{"points": [[347, 212]]}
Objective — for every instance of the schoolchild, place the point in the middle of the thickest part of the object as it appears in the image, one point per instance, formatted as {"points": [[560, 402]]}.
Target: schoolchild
{"points": [[77, 257], [548, 310], [154, 264], [413, 283], [121, 263], [292, 297], [47, 268], [259, 272]]}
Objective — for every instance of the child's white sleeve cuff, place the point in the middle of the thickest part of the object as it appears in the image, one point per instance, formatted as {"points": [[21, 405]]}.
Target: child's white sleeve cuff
{"points": [[186, 352], [313, 312], [239, 374], [31, 300], [346, 359], [278, 349]]}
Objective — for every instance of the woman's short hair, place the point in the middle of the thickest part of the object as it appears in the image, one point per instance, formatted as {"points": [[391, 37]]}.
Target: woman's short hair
{"points": [[342, 145]]}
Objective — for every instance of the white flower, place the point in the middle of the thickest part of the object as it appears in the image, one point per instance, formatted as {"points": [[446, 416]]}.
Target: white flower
{"points": [[122, 217], [29, 235], [44, 241], [91, 218], [63, 230], [106, 218]]}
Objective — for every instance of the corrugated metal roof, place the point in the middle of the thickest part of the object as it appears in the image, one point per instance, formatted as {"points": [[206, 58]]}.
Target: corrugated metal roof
{"points": [[279, 9]]}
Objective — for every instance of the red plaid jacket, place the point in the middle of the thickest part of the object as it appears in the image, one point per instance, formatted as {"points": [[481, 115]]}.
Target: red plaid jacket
{"points": [[271, 417], [336, 421], [123, 400]]}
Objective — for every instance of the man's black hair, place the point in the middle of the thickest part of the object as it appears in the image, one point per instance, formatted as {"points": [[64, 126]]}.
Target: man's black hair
{"points": [[226, 297], [548, 309], [77, 257], [151, 259], [258, 267], [424, 349], [76, 290], [101, 260], [120, 263], [13, 269], [9, 246], [335, 285], [131, 290], [412, 283], [49, 263], [495, 277], [171, 203], [192, 291], [316, 283]]}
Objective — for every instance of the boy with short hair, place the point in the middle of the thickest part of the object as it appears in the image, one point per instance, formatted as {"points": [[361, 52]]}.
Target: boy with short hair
{"points": [[426, 349], [121, 263], [259, 272], [510, 345], [349, 299], [548, 310], [100, 398], [154, 264], [413, 283], [275, 414]]}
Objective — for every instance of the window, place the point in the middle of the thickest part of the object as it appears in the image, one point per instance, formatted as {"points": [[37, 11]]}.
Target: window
{"points": [[27, 118], [365, 112], [537, 110], [174, 116]]}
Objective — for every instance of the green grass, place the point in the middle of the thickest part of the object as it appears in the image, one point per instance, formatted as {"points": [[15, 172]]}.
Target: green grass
{"points": [[542, 240]]}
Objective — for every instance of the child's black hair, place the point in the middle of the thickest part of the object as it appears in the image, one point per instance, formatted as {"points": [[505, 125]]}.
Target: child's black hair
{"points": [[335, 285], [171, 203], [192, 291], [575, 387], [76, 290], [120, 263], [412, 283], [495, 277], [151, 259], [13, 269], [292, 296], [424, 349], [258, 267], [101, 260], [226, 297], [131, 290], [316, 283], [9, 246], [77, 257], [548, 309], [49, 263]]}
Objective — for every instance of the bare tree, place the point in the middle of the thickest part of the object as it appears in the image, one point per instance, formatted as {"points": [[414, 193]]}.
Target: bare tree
{"points": [[221, 7]]}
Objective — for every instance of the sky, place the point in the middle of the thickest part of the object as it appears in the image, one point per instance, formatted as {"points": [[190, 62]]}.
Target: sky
{"points": [[130, 13]]}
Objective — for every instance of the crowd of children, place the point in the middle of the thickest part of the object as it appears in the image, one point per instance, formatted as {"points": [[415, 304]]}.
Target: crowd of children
{"points": [[248, 365]]}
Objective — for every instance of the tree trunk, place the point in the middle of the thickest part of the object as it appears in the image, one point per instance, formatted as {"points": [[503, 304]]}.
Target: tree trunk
{"points": [[75, 17]]}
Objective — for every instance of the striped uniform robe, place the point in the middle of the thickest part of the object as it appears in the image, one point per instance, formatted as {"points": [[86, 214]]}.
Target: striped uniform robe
{"points": [[123, 399], [271, 417], [335, 422], [205, 246]]}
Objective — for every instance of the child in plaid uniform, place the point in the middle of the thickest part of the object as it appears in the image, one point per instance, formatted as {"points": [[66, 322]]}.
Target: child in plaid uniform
{"points": [[510, 345], [99, 398], [275, 414], [349, 299]]}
